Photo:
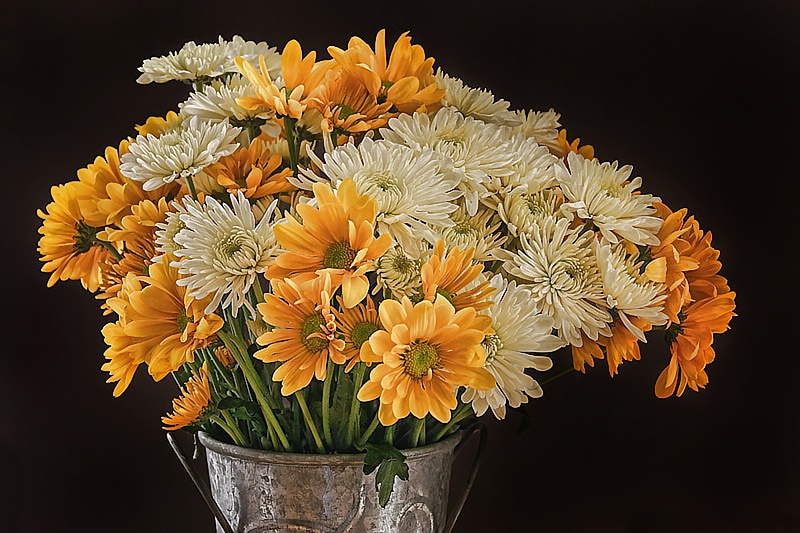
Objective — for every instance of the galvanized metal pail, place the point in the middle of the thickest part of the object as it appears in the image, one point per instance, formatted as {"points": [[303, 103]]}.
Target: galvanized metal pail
{"points": [[265, 492]]}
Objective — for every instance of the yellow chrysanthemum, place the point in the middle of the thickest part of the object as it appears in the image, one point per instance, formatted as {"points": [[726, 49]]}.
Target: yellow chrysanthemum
{"points": [[336, 238], [160, 325], [356, 325], [450, 273], [407, 80], [190, 406], [69, 246], [255, 170], [159, 125], [426, 351], [304, 334]]}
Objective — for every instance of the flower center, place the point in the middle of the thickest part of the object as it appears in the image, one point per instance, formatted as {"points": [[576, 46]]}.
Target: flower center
{"points": [[464, 229], [183, 320], [492, 344], [84, 237], [383, 180], [338, 255], [362, 332], [420, 358], [313, 324]]}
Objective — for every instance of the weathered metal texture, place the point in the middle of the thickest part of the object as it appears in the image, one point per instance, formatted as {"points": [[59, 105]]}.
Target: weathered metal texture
{"points": [[264, 492]]}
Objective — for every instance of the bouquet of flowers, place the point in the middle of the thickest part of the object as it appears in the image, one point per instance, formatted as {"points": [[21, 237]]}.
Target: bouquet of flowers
{"points": [[363, 253]]}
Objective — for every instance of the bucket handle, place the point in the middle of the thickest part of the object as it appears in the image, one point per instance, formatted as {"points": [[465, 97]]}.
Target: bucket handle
{"points": [[481, 429], [198, 482]]}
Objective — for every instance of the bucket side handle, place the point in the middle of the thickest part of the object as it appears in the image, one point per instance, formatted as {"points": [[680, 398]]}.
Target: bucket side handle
{"points": [[198, 482], [481, 429]]}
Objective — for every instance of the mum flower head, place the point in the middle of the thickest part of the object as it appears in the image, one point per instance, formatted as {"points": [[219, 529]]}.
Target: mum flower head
{"points": [[190, 407], [222, 249], [425, 352], [335, 238]]}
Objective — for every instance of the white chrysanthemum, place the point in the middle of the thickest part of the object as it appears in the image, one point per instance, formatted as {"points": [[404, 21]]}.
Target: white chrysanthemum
{"points": [[217, 101], [398, 272], [223, 250], [542, 126], [203, 62], [523, 212], [520, 332], [411, 192], [559, 267], [628, 291], [178, 154], [476, 103], [167, 230], [533, 170], [471, 150], [601, 192], [480, 232]]}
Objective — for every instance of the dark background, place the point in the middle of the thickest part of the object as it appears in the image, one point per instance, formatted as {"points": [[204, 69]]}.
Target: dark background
{"points": [[700, 97]]}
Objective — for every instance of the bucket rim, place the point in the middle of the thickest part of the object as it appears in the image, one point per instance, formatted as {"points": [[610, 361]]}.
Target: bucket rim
{"points": [[261, 456]]}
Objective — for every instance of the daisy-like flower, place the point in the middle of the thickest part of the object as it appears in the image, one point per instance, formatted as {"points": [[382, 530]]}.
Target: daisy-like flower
{"points": [[190, 407], [470, 150], [158, 126], [476, 103], [179, 154], [337, 237], [541, 126], [406, 80], [398, 273], [690, 344], [563, 147], [203, 62], [479, 232], [304, 334], [224, 250], [216, 102], [410, 191], [629, 293], [558, 265], [356, 325], [520, 332], [603, 194], [68, 246], [347, 107], [451, 274], [160, 325], [523, 213], [621, 345], [425, 352], [255, 170], [123, 355]]}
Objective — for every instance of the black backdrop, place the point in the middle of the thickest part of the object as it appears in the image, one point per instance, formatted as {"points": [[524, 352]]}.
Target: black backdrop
{"points": [[700, 97]]}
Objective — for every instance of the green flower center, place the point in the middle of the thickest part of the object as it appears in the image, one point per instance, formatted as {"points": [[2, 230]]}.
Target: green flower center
{"points": [[313, 324], [492, 344], [362, 332], [338, 255], [183, 320], [85, 237], [420, 358]]}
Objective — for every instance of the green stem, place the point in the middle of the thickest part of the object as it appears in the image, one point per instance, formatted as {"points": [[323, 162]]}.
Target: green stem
{"points": [[251, 375], [562, 373], [388, 437], [221, 370], [192, 190], [326, 405], [309, 420], [352, 422], [110, 247], [362, 440], [462, 412], [233, 434], [235, 427], [417, 424]]}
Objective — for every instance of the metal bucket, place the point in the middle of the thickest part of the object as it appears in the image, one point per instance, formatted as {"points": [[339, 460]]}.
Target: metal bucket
{"points": [[265, 492]]}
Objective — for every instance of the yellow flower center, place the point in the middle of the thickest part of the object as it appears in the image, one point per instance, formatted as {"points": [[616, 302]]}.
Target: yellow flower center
{"points": [[419, 359], [313, 324], [338, 255], [362, 332], [492, 344]]}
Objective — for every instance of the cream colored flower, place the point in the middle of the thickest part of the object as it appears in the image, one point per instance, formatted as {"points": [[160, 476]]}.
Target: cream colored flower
{"points": [[476, 103]]}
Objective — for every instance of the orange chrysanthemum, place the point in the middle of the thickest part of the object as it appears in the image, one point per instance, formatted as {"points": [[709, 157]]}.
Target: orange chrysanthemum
{"points": [[450, 273], [190, 406], [160, 325], [304, 337], [254, 170], [562, 147], [621, 346], [336, 238], [690, 344], [69, 246], [426, 351], [356, 324], [406, 81]]}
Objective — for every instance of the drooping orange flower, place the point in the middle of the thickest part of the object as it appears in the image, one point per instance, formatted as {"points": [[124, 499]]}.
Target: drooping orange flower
{"points": [[690, 344], [336, 238], [255, 170], [406, 81], [304, 335], [160, 325], [621, 346], [425, 352], [190, 406], [356, 324], [561, 147], [69, 246], [450, 273]]}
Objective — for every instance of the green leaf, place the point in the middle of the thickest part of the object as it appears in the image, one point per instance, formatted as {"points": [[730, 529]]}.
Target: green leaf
{"points": [[340, 410], [390, 464]]}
